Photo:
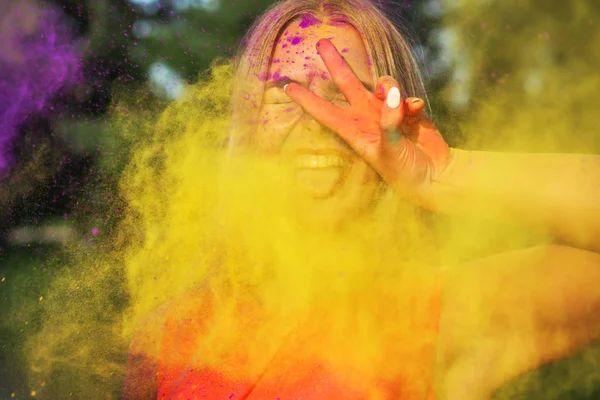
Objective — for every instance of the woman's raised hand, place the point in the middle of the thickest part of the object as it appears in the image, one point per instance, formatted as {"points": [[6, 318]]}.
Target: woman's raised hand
{"points": [[392, 134]]}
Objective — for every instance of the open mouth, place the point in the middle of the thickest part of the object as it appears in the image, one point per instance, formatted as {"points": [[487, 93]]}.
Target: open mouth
{"points": [[320, 173]]}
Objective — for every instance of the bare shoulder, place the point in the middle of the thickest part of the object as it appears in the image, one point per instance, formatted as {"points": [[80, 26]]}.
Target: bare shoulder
{"points": [[509, 313]]}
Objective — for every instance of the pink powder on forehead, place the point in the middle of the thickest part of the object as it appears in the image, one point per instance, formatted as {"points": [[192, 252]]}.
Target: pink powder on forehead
{"points": [[294, 40], [309, 20], [278, 78]]}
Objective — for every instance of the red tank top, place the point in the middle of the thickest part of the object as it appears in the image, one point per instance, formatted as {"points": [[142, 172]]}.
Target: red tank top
{"points": [[283, 378]]}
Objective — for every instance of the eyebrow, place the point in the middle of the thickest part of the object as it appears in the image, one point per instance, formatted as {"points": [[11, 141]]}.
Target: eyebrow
{"points": [[273, 83]]}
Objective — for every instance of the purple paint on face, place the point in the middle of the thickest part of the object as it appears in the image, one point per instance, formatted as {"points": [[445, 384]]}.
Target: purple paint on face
{"points": [[35, 65], [280, 78], [309, 20], [277, 60], [284, 46], [295, 40], [345, 50], [264, 76], [311, 74]]}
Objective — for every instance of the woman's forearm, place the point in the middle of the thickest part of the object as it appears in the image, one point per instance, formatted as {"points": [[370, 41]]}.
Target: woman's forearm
{"points": [[559, 193]]}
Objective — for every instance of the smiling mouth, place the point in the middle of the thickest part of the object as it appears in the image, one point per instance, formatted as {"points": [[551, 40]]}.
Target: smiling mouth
{"points": [[320, 173]]}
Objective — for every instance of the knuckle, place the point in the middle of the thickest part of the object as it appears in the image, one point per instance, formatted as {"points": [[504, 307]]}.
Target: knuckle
{"points": [[344, 77], [385, 83], [387, 80]]}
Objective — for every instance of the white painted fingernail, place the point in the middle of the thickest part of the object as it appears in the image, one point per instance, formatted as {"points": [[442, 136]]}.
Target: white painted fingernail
{"points": [[415, 100], [285, 87], [393, 98]]}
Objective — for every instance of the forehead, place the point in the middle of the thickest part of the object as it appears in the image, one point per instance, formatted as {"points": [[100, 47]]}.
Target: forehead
{"points": [[295, 53]]}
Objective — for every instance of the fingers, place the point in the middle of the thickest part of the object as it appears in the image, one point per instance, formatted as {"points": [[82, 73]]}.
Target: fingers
{"points": [[383, 85], [414, 106], [392, 112], [396, 111], [341, 73], [323, 111]]}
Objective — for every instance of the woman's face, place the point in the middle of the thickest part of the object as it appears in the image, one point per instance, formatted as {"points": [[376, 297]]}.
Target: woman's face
{"points": [[331, 183]]}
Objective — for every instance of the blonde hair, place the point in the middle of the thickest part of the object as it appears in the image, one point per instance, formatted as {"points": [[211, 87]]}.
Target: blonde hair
{"points": [[389, 50]]}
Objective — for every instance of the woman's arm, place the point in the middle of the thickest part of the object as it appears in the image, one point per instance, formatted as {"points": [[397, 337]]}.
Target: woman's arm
{"points": [[508, 314], [555, 192]]}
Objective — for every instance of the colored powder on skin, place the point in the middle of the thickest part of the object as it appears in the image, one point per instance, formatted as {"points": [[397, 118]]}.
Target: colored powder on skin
{"points": [[294, 40], [37, 58], [309, 20], [279, 78]]}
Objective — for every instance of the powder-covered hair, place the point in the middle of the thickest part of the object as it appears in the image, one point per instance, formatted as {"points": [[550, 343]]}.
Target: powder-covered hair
{"points": [[386, 46]]}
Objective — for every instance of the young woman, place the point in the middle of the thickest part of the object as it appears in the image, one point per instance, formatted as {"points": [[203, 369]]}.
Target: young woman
{"points": [[330, 89]]}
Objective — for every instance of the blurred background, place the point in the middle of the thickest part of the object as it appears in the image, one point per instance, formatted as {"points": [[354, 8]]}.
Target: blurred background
{"points": [[62, 63]]}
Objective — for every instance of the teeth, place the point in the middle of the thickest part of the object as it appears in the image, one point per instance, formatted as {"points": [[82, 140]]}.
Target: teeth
{"points": [[318, 161]]}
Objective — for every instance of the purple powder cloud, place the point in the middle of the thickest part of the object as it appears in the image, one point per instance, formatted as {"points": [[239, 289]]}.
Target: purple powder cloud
{"points": [[38, 57]]}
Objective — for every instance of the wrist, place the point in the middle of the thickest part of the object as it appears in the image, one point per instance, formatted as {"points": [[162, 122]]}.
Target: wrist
{"points": [[437, 193]]}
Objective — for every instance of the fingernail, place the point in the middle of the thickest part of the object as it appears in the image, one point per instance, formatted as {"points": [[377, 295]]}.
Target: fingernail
{"points": [[393, 98], [415, 100], [285, 87]]}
